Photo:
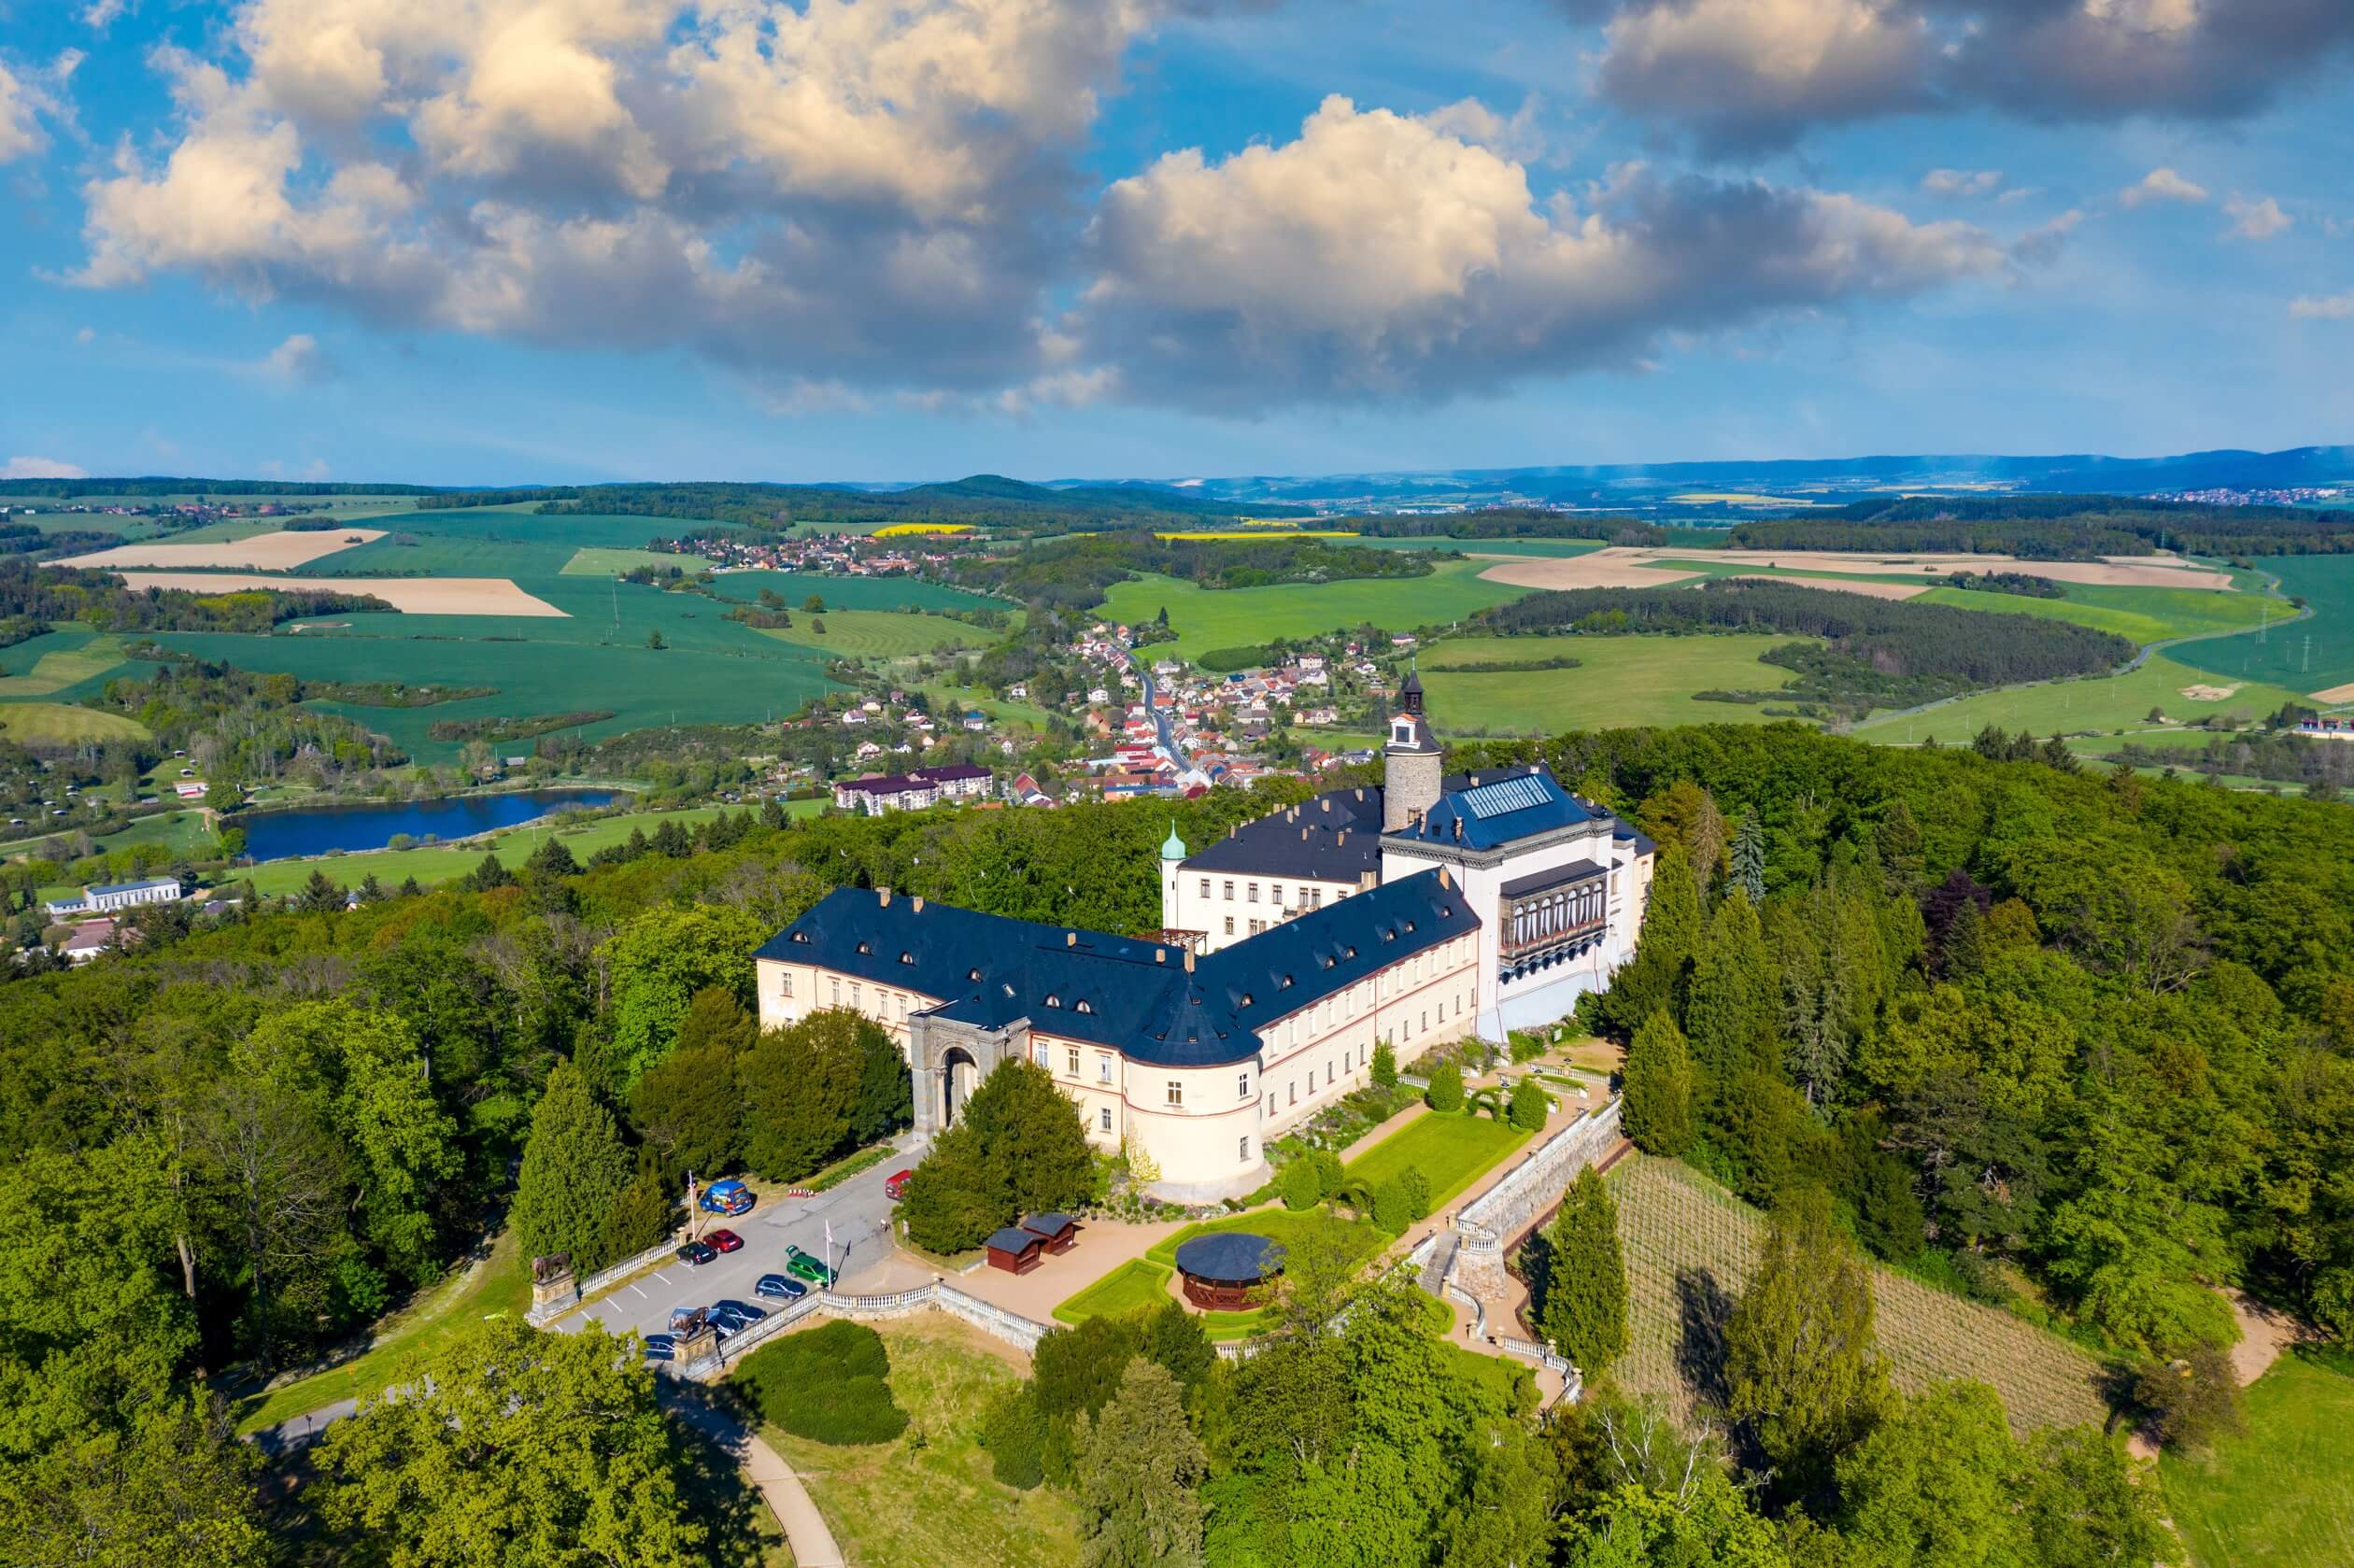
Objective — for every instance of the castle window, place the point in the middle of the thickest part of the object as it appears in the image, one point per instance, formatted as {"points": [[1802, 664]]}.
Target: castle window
{"points": [[1275, 892], [1242, 1148], [1205, 887], [1106, 1123], [1229, 926], [1242, 1086], [866, 947], [1103, 1069], [972, 974], [1253, 892], [1176, 1091], [1075, 1061], [1246, 999], [787, 978], [907, 958], [1053, 1000], [1085, 1006], [833, 983], [1230, 890]]}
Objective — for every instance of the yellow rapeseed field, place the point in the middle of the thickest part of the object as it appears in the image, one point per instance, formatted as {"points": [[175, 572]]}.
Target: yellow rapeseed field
{"points": [[899, 530]]}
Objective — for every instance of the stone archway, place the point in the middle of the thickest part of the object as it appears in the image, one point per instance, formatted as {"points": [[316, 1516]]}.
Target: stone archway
{"points": [[948, 1062], [960, 1076]]}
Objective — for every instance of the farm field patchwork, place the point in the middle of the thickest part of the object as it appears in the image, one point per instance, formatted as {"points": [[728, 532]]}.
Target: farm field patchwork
{"points": [[57, 661], [933, 1504], [30, 723], [1689, 1246], [2143, 614], [848, 593], [1451, 1151], [2314, 654], [1532, 547], [275, 551], [1206, 618], [602, 560], [411, 596], [1635, 680], [2283, 1495], [2100, 702]]}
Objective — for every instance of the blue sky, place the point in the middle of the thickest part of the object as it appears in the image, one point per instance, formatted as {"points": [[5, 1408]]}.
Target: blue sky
{"points": [[583, 239]]}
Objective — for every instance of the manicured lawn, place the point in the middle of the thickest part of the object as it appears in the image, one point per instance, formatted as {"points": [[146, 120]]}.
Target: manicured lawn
{"points": [[878, 634], [1634, 680], [1451, 1151], [927, 1499], [2282, 1496], [2098, 703], [1206, 618], [503, 1286], [2144, 615], [1133, 1286], [1282, 1226], [444, 863]]}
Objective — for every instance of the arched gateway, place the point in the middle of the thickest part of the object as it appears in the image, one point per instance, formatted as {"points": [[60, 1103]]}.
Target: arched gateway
{"points": [[947, 1061]]}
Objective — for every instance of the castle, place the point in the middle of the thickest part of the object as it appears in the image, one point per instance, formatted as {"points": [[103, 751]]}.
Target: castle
{"points": [[1416, 911]]}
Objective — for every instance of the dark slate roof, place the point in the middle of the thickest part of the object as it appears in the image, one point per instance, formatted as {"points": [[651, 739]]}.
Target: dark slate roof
{"points": [[951, 772], [1052, 1224], [1560, 876], [1138, 996], [1498, 809], [1231, 1257], [1626, 834], [1334, 837], [1013, 1238]]}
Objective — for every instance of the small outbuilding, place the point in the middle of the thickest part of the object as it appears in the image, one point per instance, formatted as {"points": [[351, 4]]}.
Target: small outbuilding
{"points": [[1015, 1249], [1225, 1270], [1060, 1232]]}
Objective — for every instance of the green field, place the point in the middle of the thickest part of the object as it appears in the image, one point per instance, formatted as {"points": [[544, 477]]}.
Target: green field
{"points": [[1206, 618], [1531, 548], [1451, 1151], [438, 863], [500, 1285], [927, 1499], [2143, 614], [31, 723], [599, 560], [848, 593], [879, 633], [2104, 702], [56, 662], [1619, 681], [2283, 1495], [2313, 654], [1135, 1285]]}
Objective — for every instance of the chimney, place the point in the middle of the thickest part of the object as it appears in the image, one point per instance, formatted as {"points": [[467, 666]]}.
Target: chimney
{"points": [[1458, 825], [1160, 956], [1365, 881], [884, 894], [1444, 881], [1070, 938], [917, 903], [1189, 960]]}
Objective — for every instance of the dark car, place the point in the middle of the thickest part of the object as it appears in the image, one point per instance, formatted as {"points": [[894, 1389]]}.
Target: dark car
{"points": [[661, 1347], [725, 1239], [696, 1253], [744, 1309], [802, 1266], [780, 1287]]}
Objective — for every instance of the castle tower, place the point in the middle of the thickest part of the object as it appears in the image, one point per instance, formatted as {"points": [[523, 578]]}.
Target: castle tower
{"points": [[1172, 852], [1413, 765]]}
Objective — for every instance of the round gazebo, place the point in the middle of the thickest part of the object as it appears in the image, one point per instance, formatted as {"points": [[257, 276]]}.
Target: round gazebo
{"points": [[1223, 1269]]}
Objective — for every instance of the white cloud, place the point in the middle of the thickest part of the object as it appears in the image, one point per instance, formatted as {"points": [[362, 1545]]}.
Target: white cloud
{"points": [[2256, 218], [100, 15], [39, 468], [298, 360], [2042, 245], [19, 124], [2323, 308], [1961, 182], [1378, 255], [2162, 185]]}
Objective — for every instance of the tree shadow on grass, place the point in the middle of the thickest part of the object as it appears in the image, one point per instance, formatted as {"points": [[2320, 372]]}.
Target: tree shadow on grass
{"points": [[1702, 1308], [741, 1532]]}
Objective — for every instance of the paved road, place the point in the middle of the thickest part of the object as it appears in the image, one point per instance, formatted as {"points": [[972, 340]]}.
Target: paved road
{"points": [[858, 1210]]}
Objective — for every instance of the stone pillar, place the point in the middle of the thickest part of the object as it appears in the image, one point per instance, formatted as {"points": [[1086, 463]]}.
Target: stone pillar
{"points": [[697, 1351]]}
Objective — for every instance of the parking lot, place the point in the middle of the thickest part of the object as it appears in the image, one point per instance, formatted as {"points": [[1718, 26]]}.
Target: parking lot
{"points": [[858, 1210]]}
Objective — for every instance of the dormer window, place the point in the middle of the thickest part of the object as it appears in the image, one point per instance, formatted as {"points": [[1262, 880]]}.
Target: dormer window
{"points": [[800, 936], [1402, 732], [1287, 983], [1053, 1000], [1246, 999], [866, 947], [972, 974], [1085, 1006]]}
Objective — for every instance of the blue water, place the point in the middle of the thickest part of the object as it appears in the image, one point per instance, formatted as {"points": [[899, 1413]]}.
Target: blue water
{"points": [[318, 829]]}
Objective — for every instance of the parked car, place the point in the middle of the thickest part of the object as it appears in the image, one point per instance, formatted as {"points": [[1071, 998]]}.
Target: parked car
{"points": [[729, 1197], [726, 1240], [744, 1309], [696, 1253], [802, 1266], [661, 1347], [780, 1287], [686, 1319], [895, 1183]]}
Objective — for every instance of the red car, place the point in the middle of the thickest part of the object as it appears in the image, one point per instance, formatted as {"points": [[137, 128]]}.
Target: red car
{"points": [[725, 1239], [896, 1184]]}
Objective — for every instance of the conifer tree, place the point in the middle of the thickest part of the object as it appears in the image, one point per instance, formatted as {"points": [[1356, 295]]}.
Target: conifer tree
{"points": [[1730, 1019], [1585, 1293], [1748, 857], [1385, 1064], [1657, 975], [1139, 1470], [573, 1170], [1658, 1093], [1445, 1092]]}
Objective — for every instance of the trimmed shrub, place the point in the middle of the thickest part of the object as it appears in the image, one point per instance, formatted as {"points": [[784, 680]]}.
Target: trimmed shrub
{"points": [[1446, 1088], [1385, 1064], [1529, 1105], [825, 1384], [1414, 1188], [1392, 1209], [1328, 1175], [1298, 1184]]}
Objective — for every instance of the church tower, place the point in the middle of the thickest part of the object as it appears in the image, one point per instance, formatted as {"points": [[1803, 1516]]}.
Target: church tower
{"points": [[1172, 854], [1414, 765]]}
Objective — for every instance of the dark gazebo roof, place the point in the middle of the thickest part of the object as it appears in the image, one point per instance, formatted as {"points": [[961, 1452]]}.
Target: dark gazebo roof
{"points": [[1013, 1238], [1230, 1257]]}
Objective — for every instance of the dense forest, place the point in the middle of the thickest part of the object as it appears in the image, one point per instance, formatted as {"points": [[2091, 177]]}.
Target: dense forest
{"points": [[2055, 528], [239, 727], [1511, 522], [1074, 573], [2323, 767], [32, 597], [221, 490], [2083, 1045], [1877, 651]]}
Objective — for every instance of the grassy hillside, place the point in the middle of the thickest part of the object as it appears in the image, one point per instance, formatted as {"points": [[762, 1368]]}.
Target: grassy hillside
{"points": [[2103, 704], [1689, 1246], [1206, 618], [878, 634], [30, 723], [1619, 681], [2283, 1495], [2144, 615], [2312, 656]]}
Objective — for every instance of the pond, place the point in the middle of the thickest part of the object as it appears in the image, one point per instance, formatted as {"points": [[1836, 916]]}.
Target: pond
{"points": [[319, 829]]}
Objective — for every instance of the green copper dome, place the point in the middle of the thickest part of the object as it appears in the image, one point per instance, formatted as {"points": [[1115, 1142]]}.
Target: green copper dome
{"points": [[1173, 847]]}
